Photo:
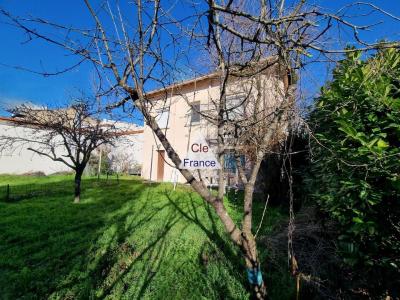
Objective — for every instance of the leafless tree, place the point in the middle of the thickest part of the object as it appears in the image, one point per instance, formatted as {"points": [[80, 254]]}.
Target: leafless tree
{"points": [[66, 135], [243, 34], [247, 40]]}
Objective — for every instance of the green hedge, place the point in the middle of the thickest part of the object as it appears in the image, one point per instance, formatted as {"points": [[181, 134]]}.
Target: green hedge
{"points": [[355, 170]]}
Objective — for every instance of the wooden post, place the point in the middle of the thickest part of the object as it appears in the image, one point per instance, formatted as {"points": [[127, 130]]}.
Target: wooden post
{"points": [[151, 161], [99, 166], [8, 193]]}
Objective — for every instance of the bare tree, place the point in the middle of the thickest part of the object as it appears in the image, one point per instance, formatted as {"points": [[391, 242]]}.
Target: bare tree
{"points": [[66, 135], [247, 40], [242, 34]]}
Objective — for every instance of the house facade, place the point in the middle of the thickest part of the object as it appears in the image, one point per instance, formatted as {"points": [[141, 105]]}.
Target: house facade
{"points": [[180, 111]]}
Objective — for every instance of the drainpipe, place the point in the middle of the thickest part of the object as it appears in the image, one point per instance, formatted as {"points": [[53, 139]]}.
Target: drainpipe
{"points": [[151, 162]]}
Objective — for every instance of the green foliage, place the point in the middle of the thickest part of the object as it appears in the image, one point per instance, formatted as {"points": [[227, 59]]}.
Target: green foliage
{"points": [[126, 241], [355, 174], [93, 164]]}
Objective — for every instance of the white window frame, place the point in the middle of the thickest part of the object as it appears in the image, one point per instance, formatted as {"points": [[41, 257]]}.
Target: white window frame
{"points": [[195, 109], [232, 101], [162, 118]]}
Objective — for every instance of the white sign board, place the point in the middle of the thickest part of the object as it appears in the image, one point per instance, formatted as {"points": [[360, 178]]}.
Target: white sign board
{"points": [[200, 156]]}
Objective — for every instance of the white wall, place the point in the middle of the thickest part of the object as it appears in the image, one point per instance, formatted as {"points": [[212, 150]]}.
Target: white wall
{"points": [[180, 131], [128, 149], [21, 160]]}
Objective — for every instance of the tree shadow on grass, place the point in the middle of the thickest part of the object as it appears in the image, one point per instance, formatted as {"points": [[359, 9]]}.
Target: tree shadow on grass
{"points": [[113, 269], [218, 242], [46, 242], [113, 245], [131, 274]]}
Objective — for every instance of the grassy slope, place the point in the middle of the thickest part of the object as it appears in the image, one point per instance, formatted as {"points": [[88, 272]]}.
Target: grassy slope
{"points": [[122, 242]]}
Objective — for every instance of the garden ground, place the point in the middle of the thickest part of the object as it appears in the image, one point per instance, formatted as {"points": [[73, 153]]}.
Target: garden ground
{"points": [[134, 240]]}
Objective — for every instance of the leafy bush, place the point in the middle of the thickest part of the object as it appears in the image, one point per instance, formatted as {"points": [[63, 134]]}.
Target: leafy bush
{"points": [[93, 165], [34, 174], [355, 172]]}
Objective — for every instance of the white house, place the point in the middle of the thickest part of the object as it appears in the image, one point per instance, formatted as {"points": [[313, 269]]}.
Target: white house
{"points": [[179, 111]]}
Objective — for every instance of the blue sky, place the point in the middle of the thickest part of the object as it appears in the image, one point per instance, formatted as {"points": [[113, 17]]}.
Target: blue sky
{"points": [[18, 86]]}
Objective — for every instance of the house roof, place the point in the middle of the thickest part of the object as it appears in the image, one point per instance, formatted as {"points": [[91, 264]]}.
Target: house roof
{"points": [[185, 83], [272, 60]]}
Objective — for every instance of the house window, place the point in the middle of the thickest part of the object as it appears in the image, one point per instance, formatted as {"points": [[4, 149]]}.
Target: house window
{"points": [[162, 118], [230, 162], [235, 106], [195, 115]]}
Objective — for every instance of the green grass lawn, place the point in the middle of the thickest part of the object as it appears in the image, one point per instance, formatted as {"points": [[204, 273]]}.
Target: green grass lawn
{"points": [[22, 180], [127, 241]]}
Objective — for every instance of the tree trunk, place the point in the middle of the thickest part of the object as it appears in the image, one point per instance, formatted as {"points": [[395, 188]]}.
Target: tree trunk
{"points": [[249, 245], [249, 249], [78, 177], [245, 241]]}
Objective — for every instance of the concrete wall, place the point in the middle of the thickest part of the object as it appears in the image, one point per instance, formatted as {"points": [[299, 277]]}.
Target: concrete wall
{"points": [[129, 148], [21, 160]]}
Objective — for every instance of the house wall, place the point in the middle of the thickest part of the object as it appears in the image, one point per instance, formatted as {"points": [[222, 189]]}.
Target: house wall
{"points": [[181, 134], [21, 160], [128, 148]]}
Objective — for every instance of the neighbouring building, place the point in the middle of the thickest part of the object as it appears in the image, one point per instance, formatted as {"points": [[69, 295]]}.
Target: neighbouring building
{"points": [[127, 151], [126, 155], [182, 123]]}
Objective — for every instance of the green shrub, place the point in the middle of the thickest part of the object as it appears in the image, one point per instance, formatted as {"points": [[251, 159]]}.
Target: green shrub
{"points": [[355, 172]]}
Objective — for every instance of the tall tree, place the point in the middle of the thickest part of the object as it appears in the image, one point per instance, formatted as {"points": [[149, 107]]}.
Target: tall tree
{"points": [[67, 135]]}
